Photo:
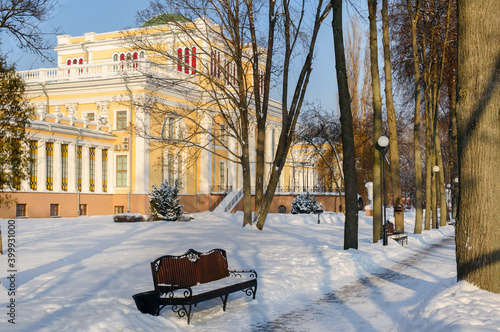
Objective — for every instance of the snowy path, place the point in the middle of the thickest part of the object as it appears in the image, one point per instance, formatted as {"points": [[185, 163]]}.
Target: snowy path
{"points": [[389, 299]]}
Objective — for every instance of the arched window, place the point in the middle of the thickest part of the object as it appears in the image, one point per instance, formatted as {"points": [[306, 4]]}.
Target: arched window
{"points": [[68, 62], [122, 57], [134, 57], [75, 61], [186, 60], [115, 57], [193, 60], [129, 56], [80, 62], [179, 59], [142, 55]]}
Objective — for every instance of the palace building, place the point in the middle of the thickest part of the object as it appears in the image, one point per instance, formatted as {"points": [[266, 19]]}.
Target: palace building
{"points": [[97, 149]]}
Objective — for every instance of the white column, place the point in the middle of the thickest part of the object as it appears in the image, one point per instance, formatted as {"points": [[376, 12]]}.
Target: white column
{"points": [[231, 165], [98, 170], [165, 165], [42, 167], [111, 171], [206, 156], [253, 154], [176, 164], [268, 155], [276, 134], [72, 167], [141, 146], [25, 184], [57, 175], [85, 169]]}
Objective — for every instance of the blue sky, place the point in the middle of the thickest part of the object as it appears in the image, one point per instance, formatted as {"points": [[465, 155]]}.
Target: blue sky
{"points": [[78, 17]]}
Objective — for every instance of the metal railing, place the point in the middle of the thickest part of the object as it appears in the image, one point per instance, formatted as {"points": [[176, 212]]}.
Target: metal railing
{"points": [[233, 202], [96, 70], [221, 189], [303, 189], [217, 202]]}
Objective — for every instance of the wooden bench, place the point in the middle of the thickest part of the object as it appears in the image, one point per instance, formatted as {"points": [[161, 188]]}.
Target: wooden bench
{"points": [[401, 238], [194, 277]]}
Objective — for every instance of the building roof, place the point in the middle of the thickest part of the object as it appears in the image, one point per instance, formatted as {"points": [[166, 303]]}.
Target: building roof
{"points": [[164, 19]]}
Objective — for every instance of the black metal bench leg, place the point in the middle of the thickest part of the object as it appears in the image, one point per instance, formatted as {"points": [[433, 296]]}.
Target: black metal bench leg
{"points": [[224, 301], [188, 313], [183, 311]]}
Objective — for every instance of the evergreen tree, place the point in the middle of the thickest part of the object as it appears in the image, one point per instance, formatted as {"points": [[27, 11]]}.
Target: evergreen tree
{"points": [[304, 203], [15, 115], [165, 203]]}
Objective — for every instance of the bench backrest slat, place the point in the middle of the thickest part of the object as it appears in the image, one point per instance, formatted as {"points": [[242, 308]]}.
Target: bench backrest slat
{"points": [[191, 268]]}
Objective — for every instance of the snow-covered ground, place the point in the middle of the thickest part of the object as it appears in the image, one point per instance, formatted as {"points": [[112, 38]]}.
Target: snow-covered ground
{"points": [[79, 274]]}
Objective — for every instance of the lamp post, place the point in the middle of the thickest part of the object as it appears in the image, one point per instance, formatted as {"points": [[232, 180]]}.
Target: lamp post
{"points": [[435, 169], [454, 198], [383, 143]]}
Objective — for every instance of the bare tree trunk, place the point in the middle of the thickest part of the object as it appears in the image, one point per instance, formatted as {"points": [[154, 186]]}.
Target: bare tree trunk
{"points": [[391, 120], [247, 186], [377, 122], [478, 119], [349, 153], [353, 64], [416, 127], [442, 193], [434, 192], [454, 154], [428, 170], [290, 113]]}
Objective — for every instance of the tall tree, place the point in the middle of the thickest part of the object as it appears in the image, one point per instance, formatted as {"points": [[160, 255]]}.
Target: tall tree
{"points": [[348, 147], [292, 33], [23, 20], [321, 129], [221, 91], [377, 121], [15, 116], [478, 118], [359, 82], [391, 120], [414, 14], [433, 32], [236, 41]]}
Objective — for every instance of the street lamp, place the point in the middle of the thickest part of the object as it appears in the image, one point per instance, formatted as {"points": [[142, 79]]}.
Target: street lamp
{"points": [[435, 169], [454, 198], [383, 143]]}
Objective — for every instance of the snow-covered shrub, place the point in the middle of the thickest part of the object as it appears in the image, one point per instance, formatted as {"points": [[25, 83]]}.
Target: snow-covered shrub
{"points": [[131, 217], [304, 203], [164, 203]]}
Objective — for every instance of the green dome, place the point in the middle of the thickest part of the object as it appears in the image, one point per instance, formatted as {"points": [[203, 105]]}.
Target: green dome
{"points": [[164, 19]]}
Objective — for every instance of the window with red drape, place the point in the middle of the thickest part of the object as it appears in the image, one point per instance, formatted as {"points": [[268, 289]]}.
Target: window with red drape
{"points": [[193, 60]]}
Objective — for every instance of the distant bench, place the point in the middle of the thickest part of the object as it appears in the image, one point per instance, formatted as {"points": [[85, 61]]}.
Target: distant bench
{"points": [[195, 277], [401, 238]]}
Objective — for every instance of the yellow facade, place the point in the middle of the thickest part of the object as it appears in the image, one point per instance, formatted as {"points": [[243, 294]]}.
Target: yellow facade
{"points": [[88, 111]]}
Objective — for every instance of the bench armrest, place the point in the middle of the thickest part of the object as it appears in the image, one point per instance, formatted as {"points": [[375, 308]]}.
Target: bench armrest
{"points": [[241, 273], [175, 291]]}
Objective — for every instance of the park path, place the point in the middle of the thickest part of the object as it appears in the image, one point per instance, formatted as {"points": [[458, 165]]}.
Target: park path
{"points": [[385, 300]]}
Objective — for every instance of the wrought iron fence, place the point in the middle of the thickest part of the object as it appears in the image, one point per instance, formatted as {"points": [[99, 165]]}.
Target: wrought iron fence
{"points": [[303, 189], [233, 201], [221, 189], [217, 202]]}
